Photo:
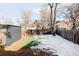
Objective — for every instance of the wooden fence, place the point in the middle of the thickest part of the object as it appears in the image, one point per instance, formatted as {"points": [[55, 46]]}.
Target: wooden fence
{"points": [[68, 34]]}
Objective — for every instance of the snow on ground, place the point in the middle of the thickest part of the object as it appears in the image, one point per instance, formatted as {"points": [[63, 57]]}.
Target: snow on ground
{"points": [[57, 45]]}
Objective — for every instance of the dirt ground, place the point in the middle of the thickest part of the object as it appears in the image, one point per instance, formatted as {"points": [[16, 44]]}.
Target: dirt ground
{"points": [[24, 52]]}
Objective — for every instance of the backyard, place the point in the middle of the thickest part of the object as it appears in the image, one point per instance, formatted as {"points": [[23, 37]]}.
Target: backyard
{"points": [[39, 29]]}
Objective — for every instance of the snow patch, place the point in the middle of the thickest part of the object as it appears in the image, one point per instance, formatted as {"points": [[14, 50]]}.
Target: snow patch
{"points": [[57, 45]]}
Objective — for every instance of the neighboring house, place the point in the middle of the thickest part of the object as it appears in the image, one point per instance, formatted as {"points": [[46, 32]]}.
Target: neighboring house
{"points": [[65, 24], [34, 28], [9, 33], [38, 27]]}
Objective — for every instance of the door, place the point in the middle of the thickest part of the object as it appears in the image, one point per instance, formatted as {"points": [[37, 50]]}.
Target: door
{"points": [[14, 34]]}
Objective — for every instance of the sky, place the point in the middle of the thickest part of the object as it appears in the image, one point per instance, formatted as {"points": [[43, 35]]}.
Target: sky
{"points": [[14, 10]]}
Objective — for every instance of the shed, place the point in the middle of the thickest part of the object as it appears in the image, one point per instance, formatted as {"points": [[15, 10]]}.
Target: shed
{"points": [[9, 34]]}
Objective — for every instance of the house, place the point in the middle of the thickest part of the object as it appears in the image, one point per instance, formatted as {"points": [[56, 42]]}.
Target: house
{"points": [[38, 27], [34, 28], [65, 24]]}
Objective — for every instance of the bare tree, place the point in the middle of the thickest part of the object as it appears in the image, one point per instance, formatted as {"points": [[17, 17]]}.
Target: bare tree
{"points": [[44, 13], [45, 16], [73, 14], [26, 16]]}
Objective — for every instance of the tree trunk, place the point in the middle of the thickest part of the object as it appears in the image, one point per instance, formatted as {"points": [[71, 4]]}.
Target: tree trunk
{"points": [[51, 6], [74, 28], [54, 20], [51, 22]]}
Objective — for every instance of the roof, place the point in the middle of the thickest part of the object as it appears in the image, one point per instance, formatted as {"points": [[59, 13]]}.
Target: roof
{"points": [[33, 28], [9, 21], [9, 24]]}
